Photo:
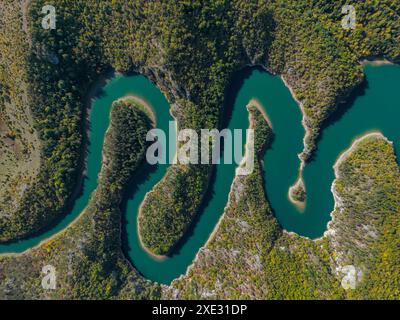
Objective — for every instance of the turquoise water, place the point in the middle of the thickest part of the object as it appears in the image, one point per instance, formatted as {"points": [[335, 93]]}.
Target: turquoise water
{"points": [[118, 87], [377, 108]]}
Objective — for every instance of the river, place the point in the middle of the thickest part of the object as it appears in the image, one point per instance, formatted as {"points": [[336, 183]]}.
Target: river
{"points": [[376, 106]]}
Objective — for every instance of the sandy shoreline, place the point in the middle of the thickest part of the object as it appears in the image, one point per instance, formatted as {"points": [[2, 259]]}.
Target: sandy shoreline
{"points": [[377, 62], [341, 158], [88, 102], [337, 200], [152, 115], [101, 82], [344, 155], [156, 257], [303, 123], [301, 205], [148, 109], [255, 103]]}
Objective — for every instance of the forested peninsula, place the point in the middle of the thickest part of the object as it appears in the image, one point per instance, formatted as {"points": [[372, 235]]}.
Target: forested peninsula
{"points": [[190, 50]]}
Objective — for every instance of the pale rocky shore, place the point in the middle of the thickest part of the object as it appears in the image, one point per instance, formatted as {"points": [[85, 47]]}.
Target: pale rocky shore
{"points": [[353, 274]]}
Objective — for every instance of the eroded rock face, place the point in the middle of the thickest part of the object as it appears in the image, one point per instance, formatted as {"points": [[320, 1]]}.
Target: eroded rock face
{"points": [[352, 276]]}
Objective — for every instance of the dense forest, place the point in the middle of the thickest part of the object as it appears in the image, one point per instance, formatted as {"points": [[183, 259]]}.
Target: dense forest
{"points": [[367, 223], [87, 255], [190, 49], [249, 257]]}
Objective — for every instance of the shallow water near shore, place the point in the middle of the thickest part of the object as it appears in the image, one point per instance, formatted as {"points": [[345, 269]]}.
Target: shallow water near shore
{"points": [[376, 108]]}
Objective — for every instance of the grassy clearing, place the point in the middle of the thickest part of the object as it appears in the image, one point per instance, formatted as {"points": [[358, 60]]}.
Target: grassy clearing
{"points": [[19, 144]]}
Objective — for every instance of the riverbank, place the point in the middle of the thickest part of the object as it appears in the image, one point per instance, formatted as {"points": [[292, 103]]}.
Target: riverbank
{"points": [[154, 256], [92, 92], [149, 111], [303, 123], [173, 265], [141, 104], [234, 195], [338, 203], [377, 62], [344, 155], [301, 205], [255, 103]]}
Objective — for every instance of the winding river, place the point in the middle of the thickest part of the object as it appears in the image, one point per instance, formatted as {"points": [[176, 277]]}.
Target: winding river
{"points": [[376, 107]]}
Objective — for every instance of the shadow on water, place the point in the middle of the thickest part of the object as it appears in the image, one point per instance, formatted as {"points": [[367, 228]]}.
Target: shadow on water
{"points": [[339, 113], [231, 93], [207, 198], [143, 173], [140, 175], [95, 91]]}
